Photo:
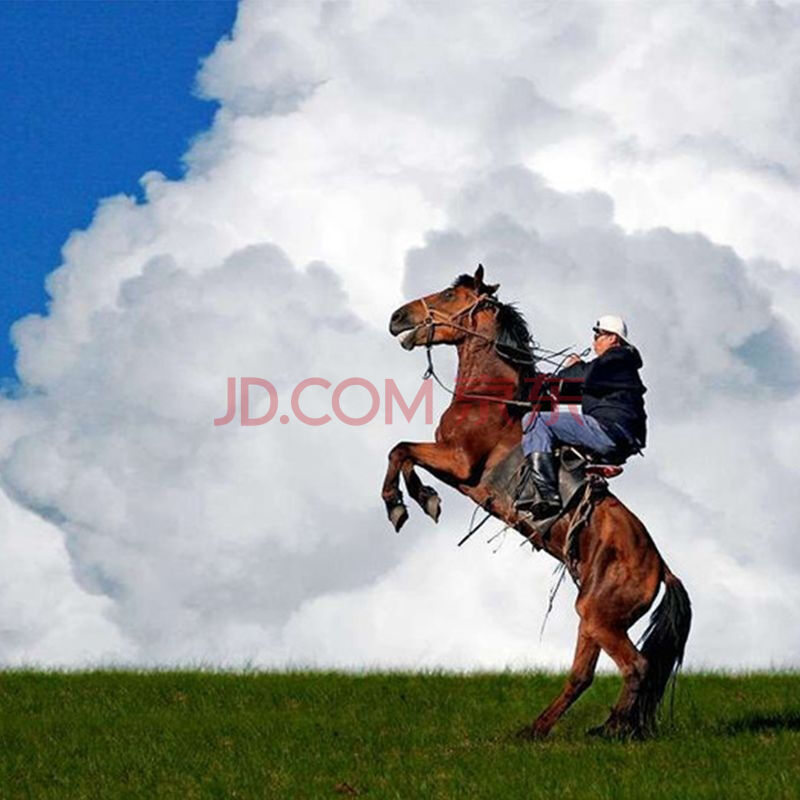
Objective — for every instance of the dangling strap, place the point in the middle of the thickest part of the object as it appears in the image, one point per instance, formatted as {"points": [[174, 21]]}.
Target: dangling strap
{"points": [[595, 488]]}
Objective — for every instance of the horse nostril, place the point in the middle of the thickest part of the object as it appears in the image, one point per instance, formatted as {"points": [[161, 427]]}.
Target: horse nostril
{"points": [[398, 322]]}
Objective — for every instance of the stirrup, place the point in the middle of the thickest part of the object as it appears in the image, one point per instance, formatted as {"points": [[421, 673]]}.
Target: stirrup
{"points": [[541, 527], [544, 509], [604, 470]]}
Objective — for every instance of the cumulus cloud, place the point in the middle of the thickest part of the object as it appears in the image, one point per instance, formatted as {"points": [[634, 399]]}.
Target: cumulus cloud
{"points": [[364, 153], [47, 618], [700, 110]]}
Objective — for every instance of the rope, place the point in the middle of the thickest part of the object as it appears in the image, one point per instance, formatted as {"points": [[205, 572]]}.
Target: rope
{"points": [[449, 321], [560, 570], [430, 372], [475, 529], [579, 519]]}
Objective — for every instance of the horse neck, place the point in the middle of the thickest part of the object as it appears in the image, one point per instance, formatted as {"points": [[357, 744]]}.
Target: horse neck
{"points": [[482, 371]]}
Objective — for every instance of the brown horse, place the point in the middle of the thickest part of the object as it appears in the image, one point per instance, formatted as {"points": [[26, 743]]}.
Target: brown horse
{"points": [[612, 558]]}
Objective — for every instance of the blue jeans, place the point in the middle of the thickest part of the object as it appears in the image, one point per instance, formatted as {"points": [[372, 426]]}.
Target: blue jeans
{"points": [[568, 426]]}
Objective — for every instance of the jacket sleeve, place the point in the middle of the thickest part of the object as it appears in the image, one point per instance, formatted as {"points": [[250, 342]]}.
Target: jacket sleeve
{"points": [[575, 372], [570, 389]]}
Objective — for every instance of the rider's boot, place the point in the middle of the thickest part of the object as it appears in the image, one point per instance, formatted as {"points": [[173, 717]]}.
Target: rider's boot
{"points": [[543, 476]]}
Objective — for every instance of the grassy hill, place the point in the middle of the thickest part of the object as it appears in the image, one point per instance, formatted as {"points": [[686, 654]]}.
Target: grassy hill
{"points": [[307, 735]]}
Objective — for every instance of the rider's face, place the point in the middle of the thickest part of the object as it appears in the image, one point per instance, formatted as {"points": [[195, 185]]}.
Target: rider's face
{"points": [[603, 340]]}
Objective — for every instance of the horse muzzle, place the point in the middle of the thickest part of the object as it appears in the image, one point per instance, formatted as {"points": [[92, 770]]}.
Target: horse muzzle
{"points": [[401, 321]]}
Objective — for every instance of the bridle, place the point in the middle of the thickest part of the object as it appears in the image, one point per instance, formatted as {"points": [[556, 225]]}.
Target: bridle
{"points": [[431, 323]]}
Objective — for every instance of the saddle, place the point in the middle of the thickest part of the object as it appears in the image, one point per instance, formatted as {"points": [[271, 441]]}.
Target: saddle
{"points": [[576, 468], [576, 464]]}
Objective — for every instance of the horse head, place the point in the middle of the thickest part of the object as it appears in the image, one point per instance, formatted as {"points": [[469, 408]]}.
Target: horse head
{"points": [[445, 317]]}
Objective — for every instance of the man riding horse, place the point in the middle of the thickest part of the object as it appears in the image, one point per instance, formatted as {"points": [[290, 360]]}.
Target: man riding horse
{"points": [[612, 422], [476, 450]]}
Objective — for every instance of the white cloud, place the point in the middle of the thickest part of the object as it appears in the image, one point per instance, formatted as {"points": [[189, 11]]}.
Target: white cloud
{"points": [[46, 617], [365, 152], [699, 102]]}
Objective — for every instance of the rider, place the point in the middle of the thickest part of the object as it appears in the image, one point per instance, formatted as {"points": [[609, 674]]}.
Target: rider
{"points": [[612, 418]]}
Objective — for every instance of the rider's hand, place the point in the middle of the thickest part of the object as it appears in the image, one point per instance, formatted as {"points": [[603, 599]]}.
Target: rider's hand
{"points": [[574, 358]]}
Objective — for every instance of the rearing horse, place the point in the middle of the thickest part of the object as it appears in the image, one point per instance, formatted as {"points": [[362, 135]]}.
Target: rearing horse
{"points": [[612, 559]]}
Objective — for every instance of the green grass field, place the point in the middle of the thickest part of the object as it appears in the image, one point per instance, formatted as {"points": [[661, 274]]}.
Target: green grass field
{"points": [[204, 734]]}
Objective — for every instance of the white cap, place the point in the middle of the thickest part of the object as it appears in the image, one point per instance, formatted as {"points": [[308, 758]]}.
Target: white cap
{"points": [[612, 324]]}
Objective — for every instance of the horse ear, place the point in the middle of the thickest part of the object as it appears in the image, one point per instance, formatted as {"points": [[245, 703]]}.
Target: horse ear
{"points": [[480, 286]]}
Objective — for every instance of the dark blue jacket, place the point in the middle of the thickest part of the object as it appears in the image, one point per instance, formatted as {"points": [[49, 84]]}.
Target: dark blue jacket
{"points": [[613, 393]]}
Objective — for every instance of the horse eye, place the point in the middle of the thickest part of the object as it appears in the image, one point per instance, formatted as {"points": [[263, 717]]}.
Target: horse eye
{"points": [[449, 294]]}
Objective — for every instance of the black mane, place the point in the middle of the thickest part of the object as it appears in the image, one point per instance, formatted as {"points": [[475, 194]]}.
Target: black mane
{"points": [[464, 280], [513, 327]]}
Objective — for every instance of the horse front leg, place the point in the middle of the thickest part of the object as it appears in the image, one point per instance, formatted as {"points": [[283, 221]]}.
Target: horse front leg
{"points": [[447, 462], [392, 496], [430, 502], [426, 496]]}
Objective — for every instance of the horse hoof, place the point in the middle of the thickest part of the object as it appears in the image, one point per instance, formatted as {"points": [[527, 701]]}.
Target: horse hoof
{"points": [[398, 516], [615, 732], [433, 507], [530, 733]]}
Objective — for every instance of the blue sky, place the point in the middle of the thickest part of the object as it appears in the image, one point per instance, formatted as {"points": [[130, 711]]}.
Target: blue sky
{"points": [[94, 95]]}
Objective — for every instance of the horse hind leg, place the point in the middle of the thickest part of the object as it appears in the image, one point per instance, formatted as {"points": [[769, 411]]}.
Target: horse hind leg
{"points": [[646, 672], [580, 678], [624, 721], [426, 496], [662, 647]]}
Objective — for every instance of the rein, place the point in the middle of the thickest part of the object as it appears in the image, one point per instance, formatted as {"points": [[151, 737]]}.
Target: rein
{"points": [[431, 324], [430, 372]]}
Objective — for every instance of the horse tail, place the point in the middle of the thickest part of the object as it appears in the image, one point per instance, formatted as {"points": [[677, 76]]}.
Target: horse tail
{"points": [[663, 644]]}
